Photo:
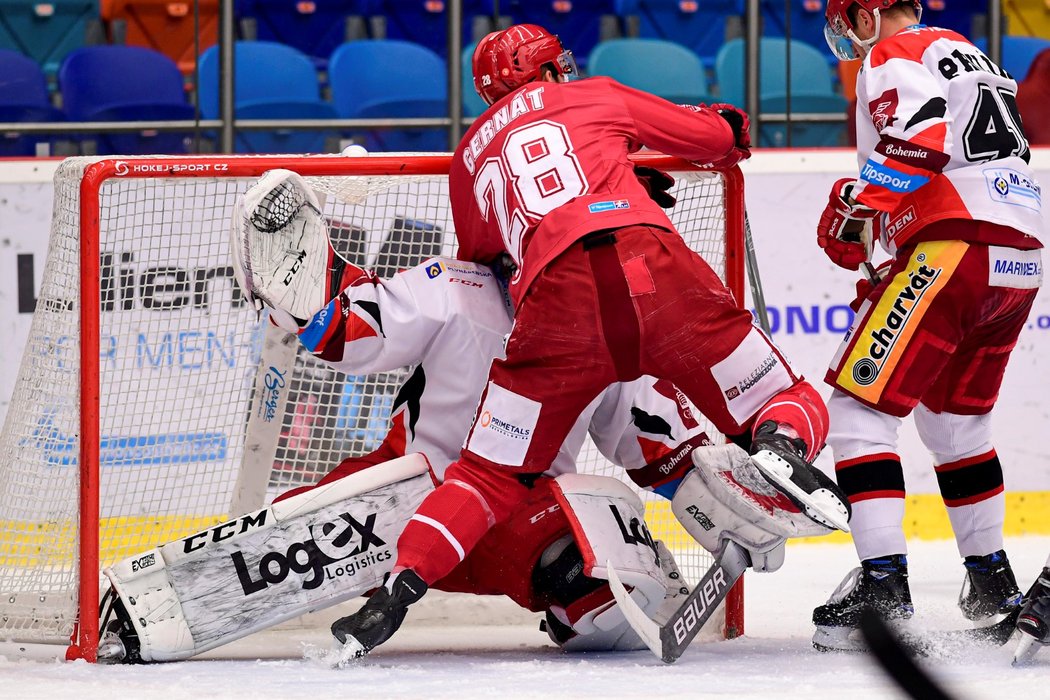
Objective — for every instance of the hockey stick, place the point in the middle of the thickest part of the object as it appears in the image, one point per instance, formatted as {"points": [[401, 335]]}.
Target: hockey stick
{"points": [[753, 279], [895, 660], [670, 639]]}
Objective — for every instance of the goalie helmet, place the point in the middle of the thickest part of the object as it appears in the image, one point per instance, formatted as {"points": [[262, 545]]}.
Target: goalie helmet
{"points": [[839, 30], [504, 61]]}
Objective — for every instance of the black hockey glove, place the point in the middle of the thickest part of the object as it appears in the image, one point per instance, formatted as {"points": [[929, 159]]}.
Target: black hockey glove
{"points": [[656, 183]]}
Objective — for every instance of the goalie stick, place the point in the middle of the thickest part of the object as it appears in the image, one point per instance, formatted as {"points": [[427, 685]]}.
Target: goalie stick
{"points": [[670, 639]]}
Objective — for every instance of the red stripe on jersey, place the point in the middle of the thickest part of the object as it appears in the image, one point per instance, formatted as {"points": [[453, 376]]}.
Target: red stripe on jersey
{"points": [[933, 137], [962, 463], [910, 44], [667, 388]]}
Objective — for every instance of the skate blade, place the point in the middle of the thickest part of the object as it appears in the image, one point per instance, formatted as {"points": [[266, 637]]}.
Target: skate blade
{"points": [[821, 506], [839, 639], [1026, 650], [111, 649]]}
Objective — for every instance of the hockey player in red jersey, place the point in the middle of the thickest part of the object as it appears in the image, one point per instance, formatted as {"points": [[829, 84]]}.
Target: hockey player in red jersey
{"points": [[945, 187], [606, 290]]}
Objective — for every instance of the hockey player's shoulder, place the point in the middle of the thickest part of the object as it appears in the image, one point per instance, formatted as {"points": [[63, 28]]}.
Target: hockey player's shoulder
{"points": [[910, 44]]}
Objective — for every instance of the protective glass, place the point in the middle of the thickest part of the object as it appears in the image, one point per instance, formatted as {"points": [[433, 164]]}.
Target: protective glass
{"points": [[838, 36]]}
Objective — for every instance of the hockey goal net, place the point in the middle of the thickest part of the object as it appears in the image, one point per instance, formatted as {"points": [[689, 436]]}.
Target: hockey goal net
{"points": [[135, 418]]}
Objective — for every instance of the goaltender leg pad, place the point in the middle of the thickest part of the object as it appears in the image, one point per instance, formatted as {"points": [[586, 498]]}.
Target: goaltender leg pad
{"points": [[608, 524], [281, 251], [726, 497], [305, 553]]}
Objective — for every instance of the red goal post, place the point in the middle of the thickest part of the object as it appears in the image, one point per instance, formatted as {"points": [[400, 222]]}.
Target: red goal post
{"points": [[98, 412]]}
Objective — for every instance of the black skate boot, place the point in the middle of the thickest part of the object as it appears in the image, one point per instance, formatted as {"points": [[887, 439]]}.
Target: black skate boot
{"points": [[880, 584], [781, 461], [1034, 620], [118, 641], [989, 588], [379, 618]]}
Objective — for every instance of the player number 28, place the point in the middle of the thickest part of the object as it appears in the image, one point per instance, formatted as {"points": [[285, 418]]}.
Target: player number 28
{"points": [[538, 160]]}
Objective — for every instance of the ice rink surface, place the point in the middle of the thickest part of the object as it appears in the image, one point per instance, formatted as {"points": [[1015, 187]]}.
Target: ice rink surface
{"points": [[457, 660]]}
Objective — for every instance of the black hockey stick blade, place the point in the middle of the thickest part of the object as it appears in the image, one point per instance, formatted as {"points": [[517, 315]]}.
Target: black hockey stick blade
{"points": [[669, 640], [931, 643], [894, 657]]}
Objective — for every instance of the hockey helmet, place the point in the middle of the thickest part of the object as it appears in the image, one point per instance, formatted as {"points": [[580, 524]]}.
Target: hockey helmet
{"points": [[838, 31], [504, 61]]}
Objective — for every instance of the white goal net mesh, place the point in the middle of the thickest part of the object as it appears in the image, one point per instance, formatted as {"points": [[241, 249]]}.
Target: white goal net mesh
{"points": [[179, 351]]}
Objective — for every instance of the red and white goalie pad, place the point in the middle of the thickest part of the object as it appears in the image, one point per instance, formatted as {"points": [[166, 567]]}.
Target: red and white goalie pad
{"points": [[608, 523], [726, 497], [304, 553]]}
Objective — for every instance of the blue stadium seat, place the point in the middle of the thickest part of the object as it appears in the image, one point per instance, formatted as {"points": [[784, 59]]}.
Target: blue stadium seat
{"points": [[580, 24], [23, 98], [806, 25], [424, 21], [272, 81], [413, 83], [473, 105], [663, 68], [699, 25], [125, 83], [811, 89], [968, 17], [47, 31], [1018, 53], [315, 27]]}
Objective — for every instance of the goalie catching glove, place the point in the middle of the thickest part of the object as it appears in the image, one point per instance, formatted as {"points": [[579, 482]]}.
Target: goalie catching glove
{"points": [[282, 256], [844, 230]]}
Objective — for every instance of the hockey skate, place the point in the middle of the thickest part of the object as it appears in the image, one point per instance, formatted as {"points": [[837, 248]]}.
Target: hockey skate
{"points": [[880, 584], [781, 461], [379, 618], [989, 588], [1034, 621], [118, 641]]}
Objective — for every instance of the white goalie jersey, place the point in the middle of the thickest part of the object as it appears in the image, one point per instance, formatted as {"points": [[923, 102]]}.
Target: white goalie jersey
{"points": [[448, 319]]}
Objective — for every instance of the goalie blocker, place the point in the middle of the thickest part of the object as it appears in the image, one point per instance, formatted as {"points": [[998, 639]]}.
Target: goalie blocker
{"points": [[335, 542]]}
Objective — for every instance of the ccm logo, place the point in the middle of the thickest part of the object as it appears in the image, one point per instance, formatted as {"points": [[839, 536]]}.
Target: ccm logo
{"points": [[224, 531]]}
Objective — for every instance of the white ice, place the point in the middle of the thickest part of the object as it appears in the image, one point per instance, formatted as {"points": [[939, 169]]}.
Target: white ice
{"points": [[461, 660]]}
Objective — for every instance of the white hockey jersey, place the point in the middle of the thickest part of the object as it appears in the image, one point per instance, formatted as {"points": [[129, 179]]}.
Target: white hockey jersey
{"points": [[939, 137], [449, 319]]}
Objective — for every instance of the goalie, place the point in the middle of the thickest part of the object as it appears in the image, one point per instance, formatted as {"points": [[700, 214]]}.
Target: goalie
{"points": [[450, 332]]}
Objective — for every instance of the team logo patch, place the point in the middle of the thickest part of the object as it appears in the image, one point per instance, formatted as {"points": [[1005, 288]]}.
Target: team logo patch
{"points": [[883, 109], [1013, 187], [434, 270]]}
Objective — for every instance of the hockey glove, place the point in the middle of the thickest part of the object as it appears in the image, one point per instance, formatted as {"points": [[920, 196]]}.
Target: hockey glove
{"points": [[867, 284], [656, 183], [844, 230], [738, 121]]}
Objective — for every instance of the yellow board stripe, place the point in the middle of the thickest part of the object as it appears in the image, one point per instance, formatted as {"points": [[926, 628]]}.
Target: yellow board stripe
{"points": [[54, 544]]}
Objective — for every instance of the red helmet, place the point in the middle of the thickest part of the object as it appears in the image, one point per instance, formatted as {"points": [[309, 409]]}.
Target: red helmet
{"points": [[506, 60], [839, 31]]}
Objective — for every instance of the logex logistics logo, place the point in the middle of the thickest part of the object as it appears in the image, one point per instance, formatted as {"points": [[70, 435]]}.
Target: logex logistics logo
{"points": [[335, 549]]}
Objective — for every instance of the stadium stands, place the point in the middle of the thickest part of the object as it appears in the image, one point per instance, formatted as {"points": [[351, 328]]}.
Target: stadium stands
{"points": [[125, 83], [413, 83], [680, 78], [23, 98], [47, 31], [273, 81], [179, 29], [314, 27], [1018, 53]]}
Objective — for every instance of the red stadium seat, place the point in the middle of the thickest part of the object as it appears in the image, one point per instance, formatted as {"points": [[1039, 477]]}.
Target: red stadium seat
{"points": [[166, 26], [1033, 96]]}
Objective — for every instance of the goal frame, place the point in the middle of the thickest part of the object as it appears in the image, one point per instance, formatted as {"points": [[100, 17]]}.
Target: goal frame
{"points": [[85, 638]]}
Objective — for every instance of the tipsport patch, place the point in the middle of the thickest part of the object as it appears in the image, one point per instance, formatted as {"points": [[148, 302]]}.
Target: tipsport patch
{"points": [[599, 207]]}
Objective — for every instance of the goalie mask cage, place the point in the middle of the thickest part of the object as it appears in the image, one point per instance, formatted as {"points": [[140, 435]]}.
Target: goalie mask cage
{"points": [[144, 408]]}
